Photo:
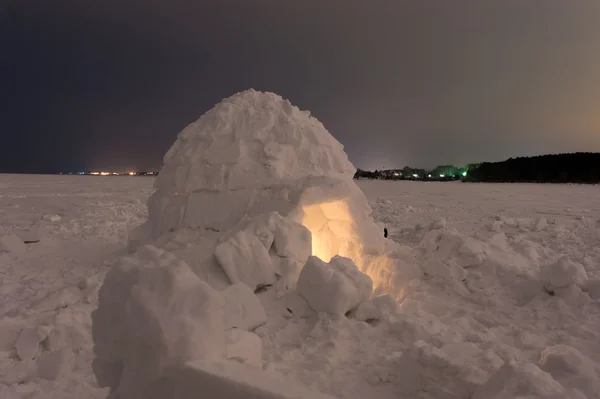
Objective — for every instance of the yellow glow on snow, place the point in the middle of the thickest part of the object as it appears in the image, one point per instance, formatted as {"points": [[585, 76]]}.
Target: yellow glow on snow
{"points": [[333, 233], [331, 227]]}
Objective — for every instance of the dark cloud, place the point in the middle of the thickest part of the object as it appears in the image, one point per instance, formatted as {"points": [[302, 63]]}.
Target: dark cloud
{"points": [[109, 84]]}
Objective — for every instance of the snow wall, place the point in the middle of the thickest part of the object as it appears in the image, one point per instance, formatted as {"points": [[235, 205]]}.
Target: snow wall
{"points": [[255, 193]]}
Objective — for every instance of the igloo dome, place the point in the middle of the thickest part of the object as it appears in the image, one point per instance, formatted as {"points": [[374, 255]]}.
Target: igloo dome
{"points": [[254, 153]]}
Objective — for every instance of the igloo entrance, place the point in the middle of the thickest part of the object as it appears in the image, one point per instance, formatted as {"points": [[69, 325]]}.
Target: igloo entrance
{"points": [[332, 228]]}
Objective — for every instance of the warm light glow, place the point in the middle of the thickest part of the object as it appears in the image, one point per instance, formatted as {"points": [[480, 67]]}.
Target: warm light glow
{"points": [[331, 227], [334, 233], [104, 173], [131, 173], [95, 173]]}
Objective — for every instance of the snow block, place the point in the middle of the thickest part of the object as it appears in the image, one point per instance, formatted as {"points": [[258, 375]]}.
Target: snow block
{"points": [[56, 364], [592, 287], [376, 308], [29, 340], [245, 259], [12, 243], [563, 273], [244, 347], [243, 309], [334, 287], [571, 368], [229, 380], [153, 312], [292, 240]]}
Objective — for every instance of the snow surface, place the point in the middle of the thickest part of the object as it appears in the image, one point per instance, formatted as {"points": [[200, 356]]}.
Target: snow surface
{"points": [[452, 333]]}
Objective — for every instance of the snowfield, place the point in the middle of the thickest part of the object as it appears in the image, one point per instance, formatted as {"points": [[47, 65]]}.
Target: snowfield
{"points": [[508, 305]]}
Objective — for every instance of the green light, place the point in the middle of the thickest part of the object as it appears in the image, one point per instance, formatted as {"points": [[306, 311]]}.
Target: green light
{"points": [[442, 175], [464, 173]]}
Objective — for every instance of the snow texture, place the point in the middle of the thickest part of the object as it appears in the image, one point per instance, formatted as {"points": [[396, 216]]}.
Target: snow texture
{"points": [[12, 243], [226, 380]]}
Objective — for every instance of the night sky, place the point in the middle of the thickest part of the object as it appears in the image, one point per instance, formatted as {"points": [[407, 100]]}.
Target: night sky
{"points": [[108, 84]]}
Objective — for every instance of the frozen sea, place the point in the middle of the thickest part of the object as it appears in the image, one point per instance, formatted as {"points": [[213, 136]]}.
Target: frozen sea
{"points": [[509, 305]]}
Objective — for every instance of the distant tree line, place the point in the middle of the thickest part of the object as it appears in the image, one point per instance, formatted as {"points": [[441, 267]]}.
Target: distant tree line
{"points": [[439, 173], [581, 167]]}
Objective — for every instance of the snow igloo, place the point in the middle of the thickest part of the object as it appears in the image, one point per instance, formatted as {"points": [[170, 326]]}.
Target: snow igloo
{"points": [[254, 194], [256, 154]]}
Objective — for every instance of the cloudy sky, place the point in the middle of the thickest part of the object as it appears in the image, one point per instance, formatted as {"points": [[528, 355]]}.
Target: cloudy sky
{"points": [[108, 84]]}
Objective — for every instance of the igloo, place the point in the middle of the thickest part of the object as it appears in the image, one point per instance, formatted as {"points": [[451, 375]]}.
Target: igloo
{"points": [[255, 153], [255, 193]]}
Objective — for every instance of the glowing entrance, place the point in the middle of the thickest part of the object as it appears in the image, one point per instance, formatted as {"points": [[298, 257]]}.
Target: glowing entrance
{"points": [[333, 231]]}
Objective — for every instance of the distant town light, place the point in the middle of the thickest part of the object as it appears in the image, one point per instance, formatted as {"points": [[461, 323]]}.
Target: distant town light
{"points": [[131, 173], [442, 175], [415, 175], [428, 175], [464, 173]]}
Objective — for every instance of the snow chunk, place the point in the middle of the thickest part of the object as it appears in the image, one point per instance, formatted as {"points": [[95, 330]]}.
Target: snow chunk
{"points": [[153, 311], [242, 308], [12, 243], [292, 240], [571, 368], [245, 259], [244, 347], [56, 364], [29, 340], [541, 224], [35, 233], [334, 287], [519, 380], [563, 273], [376, 308]]}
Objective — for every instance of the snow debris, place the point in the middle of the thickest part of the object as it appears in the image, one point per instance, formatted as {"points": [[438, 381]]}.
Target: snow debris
{"points": [[563, 273], [35, 233], [244, 347], [29, 340], [12, 243], [571, 368], [243, 308], [51, 218], [376, 308], [56, 364], [519, 380], [334, 287]]}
